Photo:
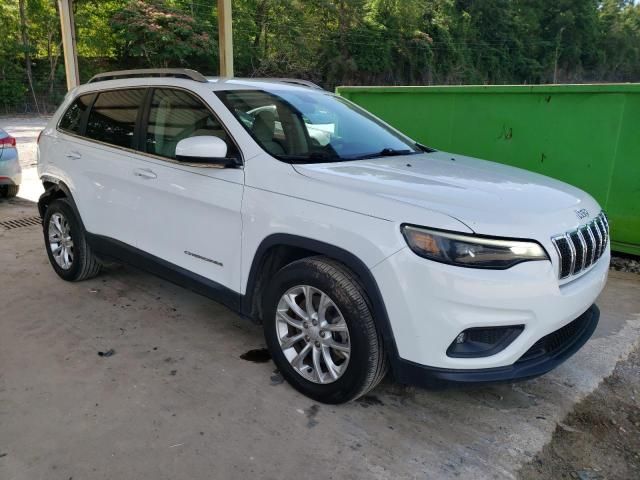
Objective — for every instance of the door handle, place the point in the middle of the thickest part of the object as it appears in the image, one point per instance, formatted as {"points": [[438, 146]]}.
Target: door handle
{"points": [[74, 155], [145, 173]]}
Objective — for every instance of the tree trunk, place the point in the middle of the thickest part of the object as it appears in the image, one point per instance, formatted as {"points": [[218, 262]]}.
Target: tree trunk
{"points": [[343, 57], [260, 19], [27, 50], [54, 47], [342, 28], [557, 55]]}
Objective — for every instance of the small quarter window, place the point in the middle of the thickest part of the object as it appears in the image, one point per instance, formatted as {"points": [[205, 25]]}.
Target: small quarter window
{"points": [[71, 121], [113, 117], [175, 115]]}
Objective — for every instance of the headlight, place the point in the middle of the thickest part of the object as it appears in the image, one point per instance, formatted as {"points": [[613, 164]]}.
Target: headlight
{"points": [[471, 251]]}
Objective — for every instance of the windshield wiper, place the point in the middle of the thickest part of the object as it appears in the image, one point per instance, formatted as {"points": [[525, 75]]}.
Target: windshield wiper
{"points": [[320, 157], [315, 157], [425, 148], [385, 152]]}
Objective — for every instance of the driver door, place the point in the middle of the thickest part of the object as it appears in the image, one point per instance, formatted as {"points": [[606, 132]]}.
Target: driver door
{"points": [[191, 214]]}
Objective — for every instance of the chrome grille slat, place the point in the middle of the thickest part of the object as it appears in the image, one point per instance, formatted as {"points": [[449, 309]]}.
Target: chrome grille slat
{"points": [[605, 233], [560, 242], [578, 249], [572, 249], [593, 245], [583, 244], [581, 248], [605, 222], [599, 238]]}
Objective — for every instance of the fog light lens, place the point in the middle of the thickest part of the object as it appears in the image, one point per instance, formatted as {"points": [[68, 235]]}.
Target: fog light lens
{"points": [[483, 342]]}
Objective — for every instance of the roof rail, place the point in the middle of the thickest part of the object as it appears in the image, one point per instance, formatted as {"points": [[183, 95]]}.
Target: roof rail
{"points": [[294, 81], [150, 72]]}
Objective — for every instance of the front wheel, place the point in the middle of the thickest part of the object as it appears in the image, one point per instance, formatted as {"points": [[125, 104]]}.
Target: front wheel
{"points": [[320, 331]]}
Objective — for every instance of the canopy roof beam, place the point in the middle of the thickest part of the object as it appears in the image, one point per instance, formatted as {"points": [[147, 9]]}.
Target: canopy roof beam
{"points": [[225, 38], [67, 28]]}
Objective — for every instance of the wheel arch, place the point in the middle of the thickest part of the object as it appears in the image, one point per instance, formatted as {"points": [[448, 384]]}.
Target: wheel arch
{"points": [[278, 250], [53, 190]]}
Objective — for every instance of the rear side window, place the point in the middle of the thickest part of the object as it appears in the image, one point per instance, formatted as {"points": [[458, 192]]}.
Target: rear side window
{"points": [[71, 121], [175, 115], [113, 117]]}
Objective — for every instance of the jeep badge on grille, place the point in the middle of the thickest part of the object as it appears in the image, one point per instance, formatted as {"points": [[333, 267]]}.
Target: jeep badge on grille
{"points": [[582, 213]]}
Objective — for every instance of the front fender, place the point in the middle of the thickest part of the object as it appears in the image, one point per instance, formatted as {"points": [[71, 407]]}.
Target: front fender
{"points": [[355, 264]]}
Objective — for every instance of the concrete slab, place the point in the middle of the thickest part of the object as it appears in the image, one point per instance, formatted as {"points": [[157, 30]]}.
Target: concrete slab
{"points": [[176, 400]]}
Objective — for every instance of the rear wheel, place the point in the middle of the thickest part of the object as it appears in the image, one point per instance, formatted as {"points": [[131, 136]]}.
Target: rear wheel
{"points": [[9, 191], [67, 248], [320, 331]]}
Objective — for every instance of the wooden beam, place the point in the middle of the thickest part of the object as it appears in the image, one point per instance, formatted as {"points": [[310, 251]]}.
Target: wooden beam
{"points": [[225, 38], [67, 25]]}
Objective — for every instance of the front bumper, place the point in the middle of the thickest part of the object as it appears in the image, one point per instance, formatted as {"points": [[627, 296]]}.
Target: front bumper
{"points": [[429, 304], [545, 355]]}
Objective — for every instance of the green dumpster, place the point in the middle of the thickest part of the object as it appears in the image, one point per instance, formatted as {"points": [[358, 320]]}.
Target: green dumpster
{"points": [[585, 135]]}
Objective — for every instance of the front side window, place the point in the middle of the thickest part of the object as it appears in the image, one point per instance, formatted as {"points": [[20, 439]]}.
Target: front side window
{"points": [[309, 126], [71, 121], [113, 117], [175, 115]]}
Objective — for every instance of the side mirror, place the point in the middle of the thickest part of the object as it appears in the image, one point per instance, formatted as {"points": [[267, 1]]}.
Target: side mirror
{"points": [[203, 151]]}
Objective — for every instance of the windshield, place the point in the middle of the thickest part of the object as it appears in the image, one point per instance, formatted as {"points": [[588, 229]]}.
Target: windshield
{"points": [[306, 126]]}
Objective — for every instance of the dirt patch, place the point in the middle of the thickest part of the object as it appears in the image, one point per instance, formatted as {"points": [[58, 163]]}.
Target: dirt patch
{"points": [[600, 438], [625, 263]]}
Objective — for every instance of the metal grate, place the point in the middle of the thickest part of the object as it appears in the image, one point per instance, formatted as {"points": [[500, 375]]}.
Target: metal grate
{"points": [[21, 222], [581, 248]]}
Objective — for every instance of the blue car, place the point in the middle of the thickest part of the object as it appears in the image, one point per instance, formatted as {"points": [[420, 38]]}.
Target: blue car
{"points": [[10, 171]]}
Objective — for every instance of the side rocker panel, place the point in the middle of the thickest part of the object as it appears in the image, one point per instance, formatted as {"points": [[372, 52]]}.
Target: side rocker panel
{"points": [[108, 247]]}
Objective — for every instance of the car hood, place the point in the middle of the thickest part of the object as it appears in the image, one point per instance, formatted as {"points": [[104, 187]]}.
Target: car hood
{"points": [[488, 197]]}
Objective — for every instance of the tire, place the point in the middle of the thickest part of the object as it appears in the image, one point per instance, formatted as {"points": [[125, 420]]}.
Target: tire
{"points": [[352, 373], [9, 191], [83, 264]]}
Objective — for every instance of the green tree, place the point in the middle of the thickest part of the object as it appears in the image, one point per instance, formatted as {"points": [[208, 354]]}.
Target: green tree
{"points": [[328, 41], [619, 41], [159, 33]]}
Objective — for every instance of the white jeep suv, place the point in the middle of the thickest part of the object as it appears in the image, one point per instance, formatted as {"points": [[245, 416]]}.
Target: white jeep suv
{"points": [[358, 249]]}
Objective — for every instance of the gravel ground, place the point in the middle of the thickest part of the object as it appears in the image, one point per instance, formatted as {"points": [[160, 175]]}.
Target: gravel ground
{"points": [[600, 438], [625, 264]]}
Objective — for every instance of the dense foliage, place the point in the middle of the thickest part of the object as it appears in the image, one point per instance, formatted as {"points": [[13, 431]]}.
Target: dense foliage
{"points": [[330, 41]]}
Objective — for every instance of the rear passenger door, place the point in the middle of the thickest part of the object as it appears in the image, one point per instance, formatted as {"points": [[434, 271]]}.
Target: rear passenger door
{"points": [[100, 154], [190, 215]]}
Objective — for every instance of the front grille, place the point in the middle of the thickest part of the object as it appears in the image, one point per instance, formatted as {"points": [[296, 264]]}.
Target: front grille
{"points": [[556, 341], [581, 248]]}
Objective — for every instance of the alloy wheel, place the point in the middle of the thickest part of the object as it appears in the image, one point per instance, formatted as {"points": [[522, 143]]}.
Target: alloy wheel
{"points": [[60, 241], [313, 334]]}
